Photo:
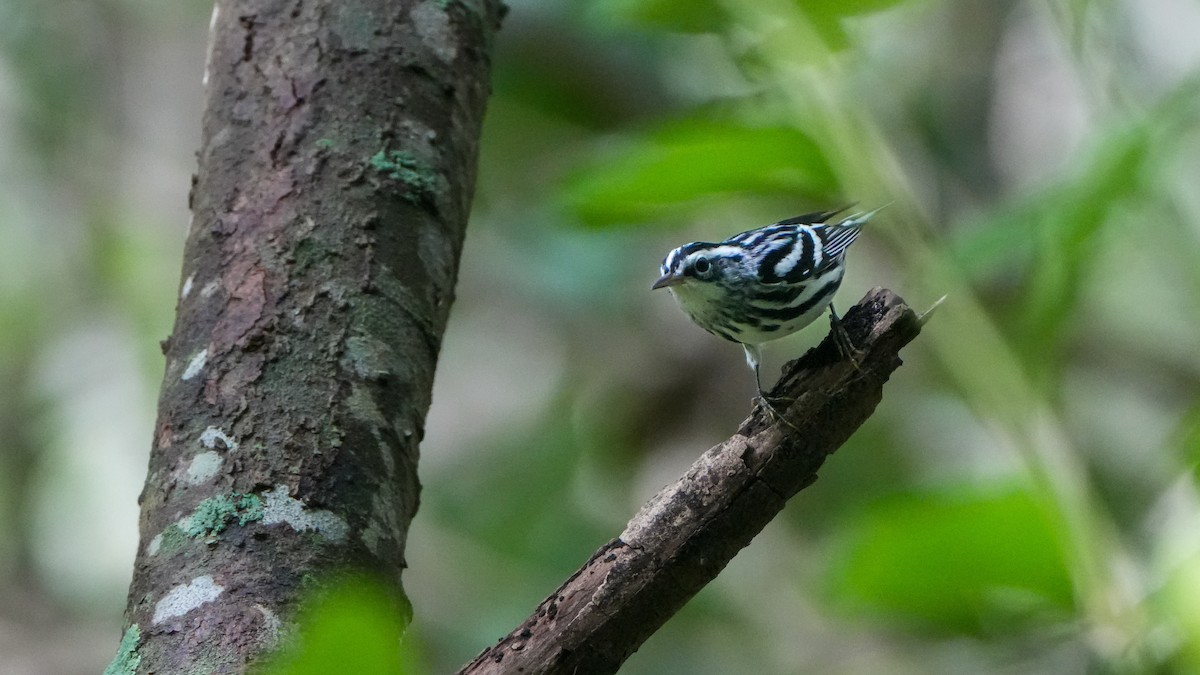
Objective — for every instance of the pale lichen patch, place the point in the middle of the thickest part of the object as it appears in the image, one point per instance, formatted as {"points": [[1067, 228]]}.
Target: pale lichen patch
{"points": [[187, 286], [436, 253], [369, 358], [433, 27], [195, 365], [279, 507], [186, 597], [364, 407], [203, 467], [385, 454], [210, 288], [372, 535], [383, 524], [171, 539], [208, 56], [211, 435], [272, 627]]}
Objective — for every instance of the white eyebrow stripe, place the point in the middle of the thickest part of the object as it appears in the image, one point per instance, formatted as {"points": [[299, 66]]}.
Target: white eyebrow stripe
{"points": [[718, 251]]}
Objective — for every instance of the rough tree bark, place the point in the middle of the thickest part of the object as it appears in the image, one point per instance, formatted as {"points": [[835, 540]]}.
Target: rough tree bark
{"points": [[686, 534], [335, 174]]}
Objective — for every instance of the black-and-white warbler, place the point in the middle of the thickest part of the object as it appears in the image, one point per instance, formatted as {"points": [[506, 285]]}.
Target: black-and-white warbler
{"points": [[765, 284]]}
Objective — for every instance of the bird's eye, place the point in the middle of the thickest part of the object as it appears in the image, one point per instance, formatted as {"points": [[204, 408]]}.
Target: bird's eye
{"points": [[702, 266]]}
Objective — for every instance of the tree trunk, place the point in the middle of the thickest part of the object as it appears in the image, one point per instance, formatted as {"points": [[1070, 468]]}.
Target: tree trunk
{"points": [[336, 171]]}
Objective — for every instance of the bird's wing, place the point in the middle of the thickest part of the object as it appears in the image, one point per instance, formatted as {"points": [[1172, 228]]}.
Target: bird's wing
{"points": [[791, 259], [835, 239]]}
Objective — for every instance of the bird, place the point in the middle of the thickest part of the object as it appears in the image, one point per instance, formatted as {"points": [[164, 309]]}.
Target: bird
{"points": [[766, 283]]}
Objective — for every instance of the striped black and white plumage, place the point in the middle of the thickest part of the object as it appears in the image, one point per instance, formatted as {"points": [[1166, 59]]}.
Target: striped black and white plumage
{"points": [[763, 284]]}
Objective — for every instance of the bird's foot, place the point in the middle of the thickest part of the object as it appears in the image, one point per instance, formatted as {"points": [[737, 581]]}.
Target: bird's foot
{"points": [[841, 339], [773, 414]]}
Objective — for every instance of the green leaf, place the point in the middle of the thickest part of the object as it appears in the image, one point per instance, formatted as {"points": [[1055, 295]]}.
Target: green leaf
{"points": [[961, 562], [689, 160], [1066, 214], [1185, 438], [567, 87], [1080, 212], [1178, 598], [1048, 242], [1059, 223], [826, 16], [681, 16], [712, 16], [356, 627]]}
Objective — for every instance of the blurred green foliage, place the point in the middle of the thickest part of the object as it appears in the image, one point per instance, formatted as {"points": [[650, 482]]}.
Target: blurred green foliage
{"points": [[1025, 497], [969, 563], [696, 160], [355, 626]]}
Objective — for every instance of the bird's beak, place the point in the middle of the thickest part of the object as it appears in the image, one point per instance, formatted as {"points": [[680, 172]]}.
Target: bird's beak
{"points": [[667, 280]]}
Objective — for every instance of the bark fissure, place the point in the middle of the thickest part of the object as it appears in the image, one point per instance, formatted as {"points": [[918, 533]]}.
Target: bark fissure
{"points": [[315, 294], [684, 536]]}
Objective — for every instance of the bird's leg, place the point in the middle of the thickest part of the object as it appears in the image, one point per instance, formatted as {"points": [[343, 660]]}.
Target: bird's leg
{"points": [[753, 357], [841, 338]]}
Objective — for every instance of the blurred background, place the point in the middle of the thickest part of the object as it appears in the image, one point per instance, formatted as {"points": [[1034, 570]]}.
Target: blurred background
{"points": [[1024, 499]]}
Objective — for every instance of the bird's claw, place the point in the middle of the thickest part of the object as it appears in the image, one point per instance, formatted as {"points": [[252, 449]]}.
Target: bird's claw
{"points": [[774, 415], [841, 339]]}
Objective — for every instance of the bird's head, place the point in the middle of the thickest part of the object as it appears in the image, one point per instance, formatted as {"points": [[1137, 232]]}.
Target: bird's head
{"points": [[697, 263]]}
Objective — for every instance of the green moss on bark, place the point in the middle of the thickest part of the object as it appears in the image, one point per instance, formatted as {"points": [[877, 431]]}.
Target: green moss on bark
{"points": [[127, 660], [215, 513], [404, 166]]}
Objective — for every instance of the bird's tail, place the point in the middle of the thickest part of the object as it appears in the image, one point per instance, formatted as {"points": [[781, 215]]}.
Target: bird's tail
{"points": [[838, 236], [857, 220]]}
